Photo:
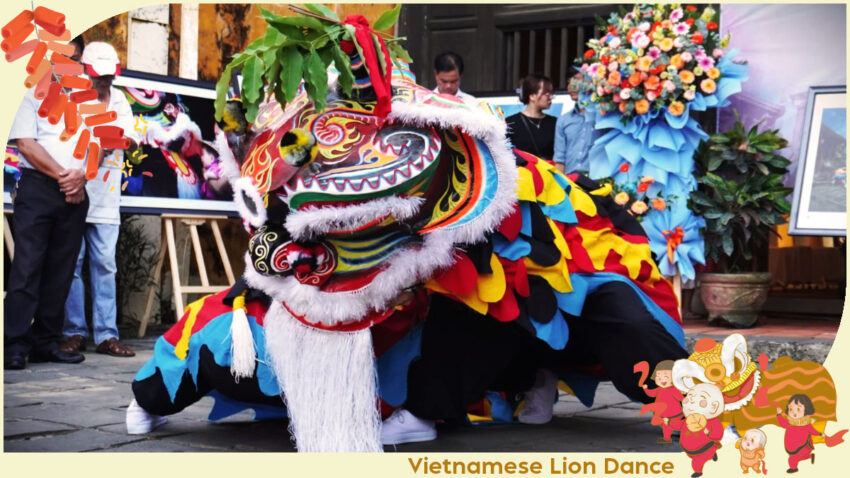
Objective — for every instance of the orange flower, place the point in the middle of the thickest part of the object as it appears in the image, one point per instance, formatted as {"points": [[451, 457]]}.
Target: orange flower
{"points": [[639, 207], [708, 86], [659, 204], [632, 31], [644, 63], [676, 108], [651, 83], [713, 73], [667, 24], [623, 107], [624, 168], [614, 78], [635, 79], [666, 44], [647, 179], [621, 198], [686, 76], [676, 61], [641, 106]]}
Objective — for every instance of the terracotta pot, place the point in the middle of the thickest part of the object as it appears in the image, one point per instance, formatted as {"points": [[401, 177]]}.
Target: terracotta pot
{"points": [[735, 299]]}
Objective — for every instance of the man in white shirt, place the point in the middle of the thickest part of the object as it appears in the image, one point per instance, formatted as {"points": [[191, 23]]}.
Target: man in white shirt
{"points": [[50, 205], [448, 68], [103, 221]]}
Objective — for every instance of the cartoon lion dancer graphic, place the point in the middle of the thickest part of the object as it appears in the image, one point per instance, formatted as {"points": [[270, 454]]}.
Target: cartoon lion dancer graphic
{"points": [[751, 446], [667, 407], [701, 429], [797, 422]]}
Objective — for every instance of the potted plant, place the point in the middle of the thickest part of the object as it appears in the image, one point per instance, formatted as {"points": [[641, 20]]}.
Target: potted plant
{"points": [[742, 198]]}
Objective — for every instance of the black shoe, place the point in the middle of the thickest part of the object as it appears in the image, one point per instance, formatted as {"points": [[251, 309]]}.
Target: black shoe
{"points": [[15, 361], [56, 356], [696, 475], [791, 470], [813, 458], [714, 458]]}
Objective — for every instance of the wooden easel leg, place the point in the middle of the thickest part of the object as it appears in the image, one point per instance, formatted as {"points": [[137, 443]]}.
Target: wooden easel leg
{"points": [[228, 271], [175, 270], [160, 258]]}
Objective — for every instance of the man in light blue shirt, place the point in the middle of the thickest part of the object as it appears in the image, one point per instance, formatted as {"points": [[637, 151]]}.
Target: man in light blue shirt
{"points": [[574, 135]]}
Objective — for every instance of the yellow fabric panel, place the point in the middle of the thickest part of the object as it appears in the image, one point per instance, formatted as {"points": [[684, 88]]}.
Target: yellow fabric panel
{"points": [[491, 287], [558, 275], [525, 186], [599, 243], [181, 350], [471, 300], [552, 192], [580, 200], [560, 242], [604, 190]]}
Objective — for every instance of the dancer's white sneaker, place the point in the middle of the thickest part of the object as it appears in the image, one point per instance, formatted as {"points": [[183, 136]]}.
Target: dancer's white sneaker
{"points": [[405, 427], [540, 400], [139, 421]]}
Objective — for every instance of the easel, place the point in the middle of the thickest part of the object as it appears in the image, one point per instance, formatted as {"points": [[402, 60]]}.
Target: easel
{"points": [[168, 244]]}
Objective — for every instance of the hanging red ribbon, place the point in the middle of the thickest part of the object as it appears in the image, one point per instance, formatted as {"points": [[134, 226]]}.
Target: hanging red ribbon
{"points": [[674, 238], [363, 35]]}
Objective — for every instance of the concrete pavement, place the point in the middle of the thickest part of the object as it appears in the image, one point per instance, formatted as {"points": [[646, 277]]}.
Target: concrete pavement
{"points": [[58, 407]]}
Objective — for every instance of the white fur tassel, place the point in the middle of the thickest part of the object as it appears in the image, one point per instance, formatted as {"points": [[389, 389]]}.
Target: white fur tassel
{"points": [[242, 353], [329, 384]]}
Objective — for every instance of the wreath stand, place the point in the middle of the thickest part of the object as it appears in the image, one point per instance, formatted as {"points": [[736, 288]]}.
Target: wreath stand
{"points": [[168, 244]]}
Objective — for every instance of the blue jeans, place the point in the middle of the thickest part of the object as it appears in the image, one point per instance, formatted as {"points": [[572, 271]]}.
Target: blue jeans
{"points": [[100, 241]]}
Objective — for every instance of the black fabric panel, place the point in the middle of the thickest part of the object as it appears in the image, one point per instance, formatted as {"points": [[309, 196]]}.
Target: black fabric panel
{"points": [[542, 304], [479, 254], [152, 395]]}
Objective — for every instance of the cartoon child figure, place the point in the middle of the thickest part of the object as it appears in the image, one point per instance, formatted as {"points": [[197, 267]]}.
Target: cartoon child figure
{"points": [[668, 399], [797, 422], [701, 428], [751, 446]]}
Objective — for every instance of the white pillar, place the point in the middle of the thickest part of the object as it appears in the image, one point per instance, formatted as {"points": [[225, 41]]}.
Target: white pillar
{"points": [[147, 40], [189, 41]]}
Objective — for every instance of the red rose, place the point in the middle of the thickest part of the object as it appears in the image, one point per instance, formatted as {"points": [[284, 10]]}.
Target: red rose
{"points": [[612, 30], [604, 59], [658, 69], [711, 26], [691, 8], [588, 54], [654, 26], [690, 22], [697, 38], [624, 168], [642, 187]]}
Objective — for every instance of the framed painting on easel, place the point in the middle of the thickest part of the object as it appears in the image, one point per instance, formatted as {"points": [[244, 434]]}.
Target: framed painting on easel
{"points": [[820, 191]]}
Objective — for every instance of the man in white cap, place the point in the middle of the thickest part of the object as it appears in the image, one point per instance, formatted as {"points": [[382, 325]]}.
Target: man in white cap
{"points": [[103, 221], [50, 206]]}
